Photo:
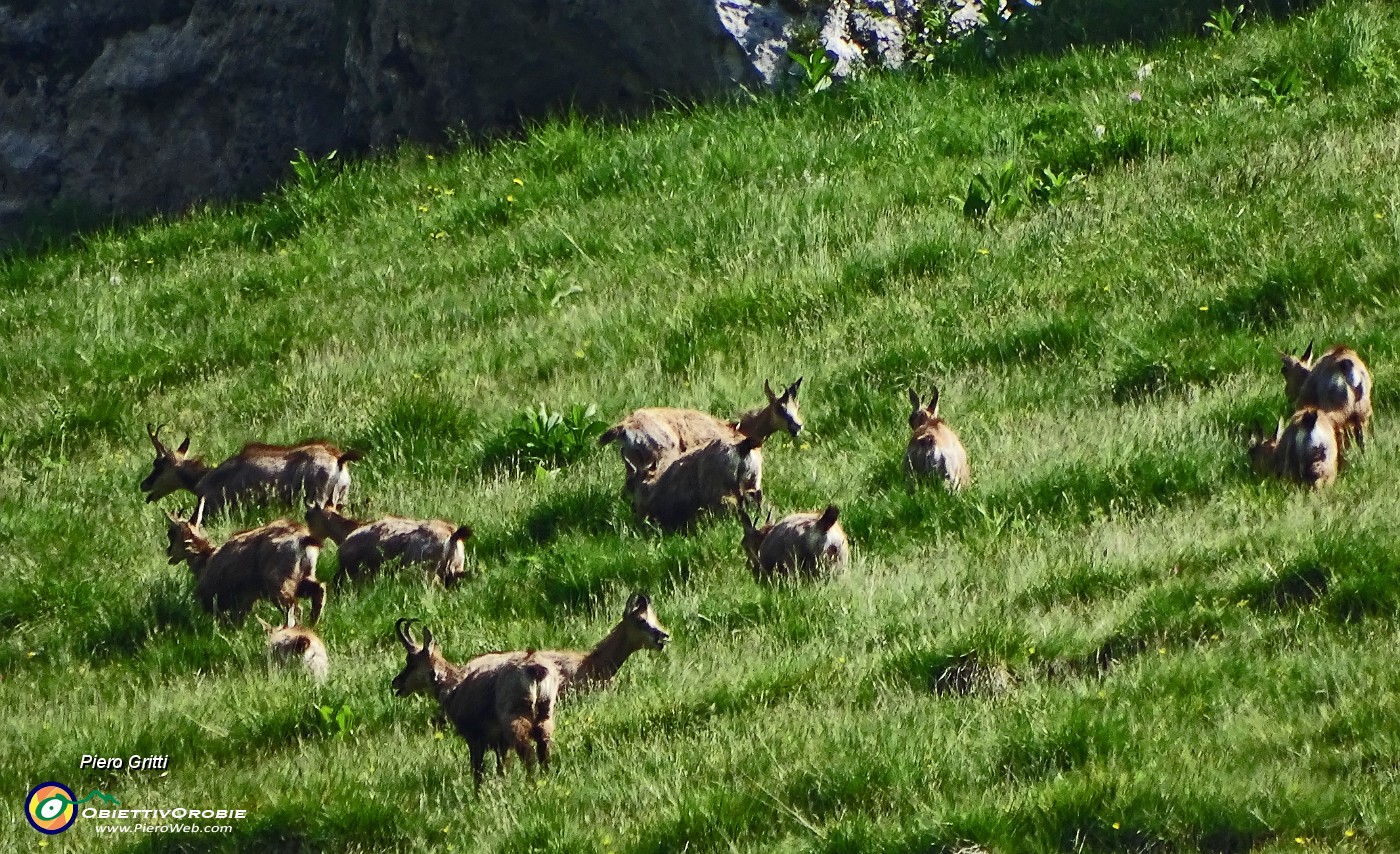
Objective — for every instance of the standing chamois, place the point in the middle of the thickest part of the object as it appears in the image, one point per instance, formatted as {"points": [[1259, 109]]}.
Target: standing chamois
{"points": [[934, 448], [290, 643], [1338, 383], [697, 480], [364, 547], [257, 474], [275, 562], [1307, 451], [648, 437], [806, 545], [499, 701], [639, 629]]}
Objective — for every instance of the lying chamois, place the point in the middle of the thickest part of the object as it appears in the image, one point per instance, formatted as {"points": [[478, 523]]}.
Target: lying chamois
{"points": [[639, 629], [500, 701], [364, 547], [1338, 383], [649, 436], [700, 479], [807, 545], [934, 448], [1307, 451], [275, 562], [258, 473], [290, 643]]}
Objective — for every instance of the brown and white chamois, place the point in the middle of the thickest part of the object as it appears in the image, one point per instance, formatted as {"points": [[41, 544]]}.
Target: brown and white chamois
{"points": [[500, 701], [292, 644], [1338, 382], [258, 473], [276, 562], [364, 547], [649, 436], [1306, 451], [934, 448], [697, 480], [806, 545], [637, 630]]}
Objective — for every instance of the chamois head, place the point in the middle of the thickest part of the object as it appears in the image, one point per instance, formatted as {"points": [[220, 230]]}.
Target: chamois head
{"points": [[1295, 371], [753, 535], [172, 470], [424, 664], [643, 630], [327, 522], [923, 416], [782, 412], [187, 540]]}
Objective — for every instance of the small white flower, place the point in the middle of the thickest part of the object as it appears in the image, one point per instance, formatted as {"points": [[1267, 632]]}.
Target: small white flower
{"points": [[1145, 71], [1099, 131]]}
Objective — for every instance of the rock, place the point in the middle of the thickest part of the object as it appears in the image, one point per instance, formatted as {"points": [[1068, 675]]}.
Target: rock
{"points": [[121, 109]]}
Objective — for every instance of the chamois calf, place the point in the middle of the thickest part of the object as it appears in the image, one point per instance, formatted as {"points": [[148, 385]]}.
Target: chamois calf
{"points": [[258, 473], [1307, 451], [364, 547], [637, 630], [807, 545], [934, 448], [275, 562], [290, 643], [697, 480], [649, 436], [1338, 382], [500, 701]]}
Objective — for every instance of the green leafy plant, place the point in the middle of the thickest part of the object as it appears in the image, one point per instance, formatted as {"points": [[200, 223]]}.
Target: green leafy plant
{"points": [[1280, 88], [543, 440], [1224, 22], [312, 173], [335, 720], [816, 68], [1049, 187], [1000, 193]]}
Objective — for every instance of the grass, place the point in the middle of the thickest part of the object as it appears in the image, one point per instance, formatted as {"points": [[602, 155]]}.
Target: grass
{"points": [[1118, 639]]}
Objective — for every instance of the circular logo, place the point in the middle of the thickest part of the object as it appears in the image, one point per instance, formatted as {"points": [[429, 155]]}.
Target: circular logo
{"points": [[50, 808]]}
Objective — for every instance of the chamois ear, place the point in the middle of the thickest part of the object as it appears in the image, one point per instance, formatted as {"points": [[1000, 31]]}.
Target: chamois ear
{"points": [[428, 642], [791, 393], [198, 518], [768, 390], [933, 403], [1278, 431], [828, 518], [184, 446], [914, 400], [1307, 354]]}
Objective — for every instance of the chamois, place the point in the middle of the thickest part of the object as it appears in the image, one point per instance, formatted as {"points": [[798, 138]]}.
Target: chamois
{"points": [[934, 448], [364, 547], [649, 436], [699, 479], [289, 643], [638, 629], [499, 701], [257, 473], [1338, 382], [807, 545], [275, 562], [1306, 451]]}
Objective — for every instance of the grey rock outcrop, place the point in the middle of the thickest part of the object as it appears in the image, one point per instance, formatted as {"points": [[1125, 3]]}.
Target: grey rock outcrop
{"points": [[124, 108]]}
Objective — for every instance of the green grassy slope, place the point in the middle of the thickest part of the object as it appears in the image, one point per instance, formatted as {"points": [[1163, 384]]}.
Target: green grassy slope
{"points": [[1197, 660]]}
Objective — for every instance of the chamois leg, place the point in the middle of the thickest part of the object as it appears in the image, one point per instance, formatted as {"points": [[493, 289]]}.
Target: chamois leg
{"points": [[544, 737], [478, 752], [314, 590]]}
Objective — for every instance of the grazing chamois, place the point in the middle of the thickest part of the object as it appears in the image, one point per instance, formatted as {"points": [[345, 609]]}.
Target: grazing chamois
{"points": [[1338, 382], [649, 436], [806, 545], [934, 448], [1306, 451], [364, 547], [276, 562], [699, 479], [257, 474], [499, 701], [638, 629], [292, 644]]}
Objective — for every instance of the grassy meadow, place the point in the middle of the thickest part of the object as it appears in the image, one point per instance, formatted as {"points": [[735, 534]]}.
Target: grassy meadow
{"points": [[1117, 639]]}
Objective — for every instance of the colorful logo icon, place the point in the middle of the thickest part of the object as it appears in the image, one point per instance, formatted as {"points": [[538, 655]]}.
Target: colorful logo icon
{"points": [[50, 808]]}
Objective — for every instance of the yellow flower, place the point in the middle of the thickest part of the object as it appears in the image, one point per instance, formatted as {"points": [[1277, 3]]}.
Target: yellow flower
{"points": [[1116, 825], [430, 157], [517, 182], [422, 208], [1205, 308], [1161, 650], [1350, 833], [510, 198], [1380, 215], [984, 251]]}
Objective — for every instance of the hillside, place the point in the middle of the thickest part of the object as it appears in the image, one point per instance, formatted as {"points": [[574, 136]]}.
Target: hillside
{"points": [[1119, 638]]}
